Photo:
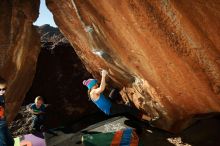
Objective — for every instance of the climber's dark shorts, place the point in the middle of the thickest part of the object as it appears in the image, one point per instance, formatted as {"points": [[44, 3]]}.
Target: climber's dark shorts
{"points": [[120, 109]]}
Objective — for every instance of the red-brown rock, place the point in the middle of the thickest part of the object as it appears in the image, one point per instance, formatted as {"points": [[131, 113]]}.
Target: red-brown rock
{"points": [[19, 49], [165, 54]]}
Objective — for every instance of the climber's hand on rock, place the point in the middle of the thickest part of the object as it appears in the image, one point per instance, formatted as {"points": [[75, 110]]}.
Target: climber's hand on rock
{"points": [[104, 73]]}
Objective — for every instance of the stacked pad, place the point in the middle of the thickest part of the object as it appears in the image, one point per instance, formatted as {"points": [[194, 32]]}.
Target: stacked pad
{"points": [[126, 137]]}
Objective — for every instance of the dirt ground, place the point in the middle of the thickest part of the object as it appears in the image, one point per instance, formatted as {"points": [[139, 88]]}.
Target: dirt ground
{"points": [[202, 133]]}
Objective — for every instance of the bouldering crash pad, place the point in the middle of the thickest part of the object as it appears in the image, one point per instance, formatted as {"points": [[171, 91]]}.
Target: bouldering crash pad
{"points": [[30, 140]]}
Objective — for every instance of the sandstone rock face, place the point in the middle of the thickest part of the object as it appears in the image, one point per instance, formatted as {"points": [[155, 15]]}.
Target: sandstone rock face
{"points": [[163, 54], [19, 49]]}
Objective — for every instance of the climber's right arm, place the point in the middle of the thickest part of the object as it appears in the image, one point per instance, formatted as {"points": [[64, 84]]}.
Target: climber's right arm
{"points": [[101, 88]]}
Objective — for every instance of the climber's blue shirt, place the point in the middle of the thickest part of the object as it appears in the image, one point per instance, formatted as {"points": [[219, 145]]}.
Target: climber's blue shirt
{"points": [[103, 103]]}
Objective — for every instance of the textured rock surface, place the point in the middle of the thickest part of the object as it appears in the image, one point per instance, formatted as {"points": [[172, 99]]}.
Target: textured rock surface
{"points": [[164, 54], [19, 48], [50, 34]]}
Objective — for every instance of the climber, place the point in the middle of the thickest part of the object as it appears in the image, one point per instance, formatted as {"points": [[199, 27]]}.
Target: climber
{"points": [[38, 110], [95, 93], [5, 136]]}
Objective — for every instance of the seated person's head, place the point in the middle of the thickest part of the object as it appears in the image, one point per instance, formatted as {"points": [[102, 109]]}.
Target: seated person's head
{"points": [[39, 101], [2, 86]]}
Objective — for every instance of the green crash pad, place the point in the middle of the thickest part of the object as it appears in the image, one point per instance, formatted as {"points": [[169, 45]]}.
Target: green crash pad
{"points": [[124, 137]]}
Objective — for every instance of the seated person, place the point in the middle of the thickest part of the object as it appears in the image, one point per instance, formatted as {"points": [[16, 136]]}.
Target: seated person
{"points": [[38, 110]]}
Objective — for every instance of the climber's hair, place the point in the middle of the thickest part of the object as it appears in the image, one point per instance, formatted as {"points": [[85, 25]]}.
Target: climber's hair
{"points": [[2, 80], [38, 98]]}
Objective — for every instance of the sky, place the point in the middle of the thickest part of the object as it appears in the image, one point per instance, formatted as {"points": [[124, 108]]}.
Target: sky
{"points": [[45, 16]]}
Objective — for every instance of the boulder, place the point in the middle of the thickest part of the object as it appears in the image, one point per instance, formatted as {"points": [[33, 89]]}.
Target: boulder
{"points": [[164, 55], [19, 49]]}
